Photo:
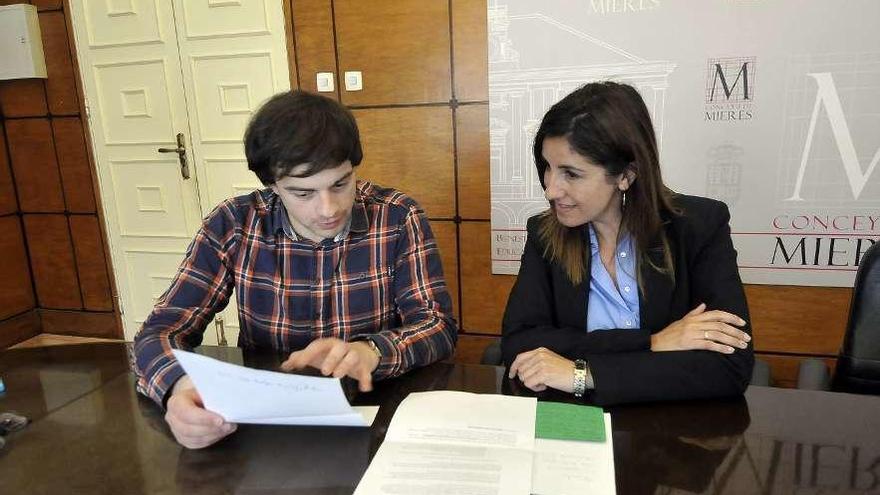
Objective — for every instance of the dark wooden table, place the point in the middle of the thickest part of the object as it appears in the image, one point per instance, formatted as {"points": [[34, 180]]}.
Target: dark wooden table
{"points": [[91, 433]]}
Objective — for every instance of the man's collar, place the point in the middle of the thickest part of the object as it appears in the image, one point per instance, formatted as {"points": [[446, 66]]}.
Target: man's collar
{"points": [[360, 223]]}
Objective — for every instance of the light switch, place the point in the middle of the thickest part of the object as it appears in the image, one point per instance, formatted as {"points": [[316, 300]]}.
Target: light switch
{"points": [[354, 80], [325, 82]]}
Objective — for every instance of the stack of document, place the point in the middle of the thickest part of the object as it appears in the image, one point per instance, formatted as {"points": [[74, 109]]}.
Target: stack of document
{"points": [[456, 442], [245, 395]]}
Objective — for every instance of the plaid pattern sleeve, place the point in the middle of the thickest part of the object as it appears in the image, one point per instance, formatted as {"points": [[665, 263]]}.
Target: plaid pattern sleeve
{"points": [[200, 289], [428, 332]]}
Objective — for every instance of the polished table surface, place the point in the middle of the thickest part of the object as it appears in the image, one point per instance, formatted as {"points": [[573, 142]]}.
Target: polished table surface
{"points": [[91, 433]]}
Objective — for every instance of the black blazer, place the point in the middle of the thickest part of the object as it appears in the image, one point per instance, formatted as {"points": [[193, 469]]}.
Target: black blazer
{"points": [[546, 310]]}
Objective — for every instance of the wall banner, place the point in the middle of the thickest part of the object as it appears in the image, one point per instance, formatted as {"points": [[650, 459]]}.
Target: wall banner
{"points": [[771, 107]]}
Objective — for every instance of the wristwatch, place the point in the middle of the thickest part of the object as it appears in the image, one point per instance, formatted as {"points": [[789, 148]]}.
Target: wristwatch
{"points": [[580, 377], [374, 347]]}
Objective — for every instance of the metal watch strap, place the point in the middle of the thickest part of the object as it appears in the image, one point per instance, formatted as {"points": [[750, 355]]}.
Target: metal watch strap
{"points": [[580, 377], [374, 347]]}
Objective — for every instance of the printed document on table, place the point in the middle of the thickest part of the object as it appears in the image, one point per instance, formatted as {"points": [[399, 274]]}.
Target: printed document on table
{"points": [[245, 395], [566, 467], [455, 442], [465, 418]]}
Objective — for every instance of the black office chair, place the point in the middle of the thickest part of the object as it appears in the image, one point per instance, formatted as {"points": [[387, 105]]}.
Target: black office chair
{"points": [[492, 354], [760, 372], [858, 365]]}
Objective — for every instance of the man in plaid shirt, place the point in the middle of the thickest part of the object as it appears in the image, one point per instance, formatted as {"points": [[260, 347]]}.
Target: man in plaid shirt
{"points": [[342, 274]]}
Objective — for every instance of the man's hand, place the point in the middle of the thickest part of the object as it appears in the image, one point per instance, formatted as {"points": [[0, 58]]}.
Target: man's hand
{"points": [[543, 368], [338, 358], [193, 426], [700, 329]]}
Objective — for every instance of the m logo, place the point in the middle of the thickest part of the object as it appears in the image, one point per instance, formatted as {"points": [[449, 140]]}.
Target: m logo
{"points": [[826, 96], [730, 80]]}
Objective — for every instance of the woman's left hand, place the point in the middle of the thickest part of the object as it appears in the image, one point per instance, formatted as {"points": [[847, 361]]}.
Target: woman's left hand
{"points": [[543, 368]]}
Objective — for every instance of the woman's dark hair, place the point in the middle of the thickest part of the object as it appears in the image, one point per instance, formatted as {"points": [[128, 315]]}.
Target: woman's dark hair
{"points": [[295, 127], [609, 124]]}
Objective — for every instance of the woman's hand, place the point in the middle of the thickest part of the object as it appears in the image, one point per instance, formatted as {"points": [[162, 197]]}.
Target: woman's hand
{"points": [[543, 368], [701, 329]]}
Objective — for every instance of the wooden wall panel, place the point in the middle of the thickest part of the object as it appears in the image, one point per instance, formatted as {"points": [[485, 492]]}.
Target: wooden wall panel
{"points": [[446, 236], [60, 86], [33, 162], [315, 42], [400, 46], [17, 294], [293, 73], [50, 186], [804, 320], [52, 261], [18, 329], [472, 128], [23, 98], [94, 282], [8, 204], [469, 349], [483, 295], [73, 163], [470, 50], [81, 323], [46, 4], [411, 149]]}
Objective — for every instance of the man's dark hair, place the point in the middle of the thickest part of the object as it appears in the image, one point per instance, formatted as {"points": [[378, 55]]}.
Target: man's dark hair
{"points": [[295, 127]]}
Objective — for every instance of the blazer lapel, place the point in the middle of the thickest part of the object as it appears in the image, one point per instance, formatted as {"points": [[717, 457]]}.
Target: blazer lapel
{"points": [[581, 295], [657, 288]]}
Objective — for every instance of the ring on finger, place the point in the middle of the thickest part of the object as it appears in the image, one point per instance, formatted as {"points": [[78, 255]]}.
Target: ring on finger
{"points": [[705, 335]]}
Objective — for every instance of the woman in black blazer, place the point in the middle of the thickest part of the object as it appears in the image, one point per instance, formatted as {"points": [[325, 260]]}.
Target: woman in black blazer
{"points": [[597, 159]]}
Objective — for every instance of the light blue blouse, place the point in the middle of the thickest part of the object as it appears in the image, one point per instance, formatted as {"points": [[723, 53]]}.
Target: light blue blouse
{"points": [[609, 307]]}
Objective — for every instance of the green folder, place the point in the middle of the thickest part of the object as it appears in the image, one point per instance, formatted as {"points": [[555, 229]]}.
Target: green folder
{"points": [[558, 421]]}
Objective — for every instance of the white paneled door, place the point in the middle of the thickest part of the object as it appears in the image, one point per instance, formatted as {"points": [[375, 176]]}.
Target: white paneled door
{"points": [[234, 57], [183, 75]]}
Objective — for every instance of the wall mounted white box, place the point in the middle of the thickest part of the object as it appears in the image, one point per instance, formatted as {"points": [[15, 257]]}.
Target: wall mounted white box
{"points": [[21, 47]]}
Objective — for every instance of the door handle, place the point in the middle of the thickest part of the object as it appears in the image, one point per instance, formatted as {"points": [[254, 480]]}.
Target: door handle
{"points": [[181, 154], [219, 328]]}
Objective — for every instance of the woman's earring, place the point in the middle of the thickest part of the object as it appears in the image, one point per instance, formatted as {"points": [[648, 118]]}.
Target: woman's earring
{"points": [[623, 199]]}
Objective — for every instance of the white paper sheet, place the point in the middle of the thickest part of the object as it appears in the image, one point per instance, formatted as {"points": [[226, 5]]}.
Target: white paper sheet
{"points": [[465, 418], [455, 442], [245, 395], [362, 416], [563, 467], [404, 468]]}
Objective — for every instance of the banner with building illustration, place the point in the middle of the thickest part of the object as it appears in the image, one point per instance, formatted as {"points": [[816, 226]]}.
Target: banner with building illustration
{"points": [[770, 106]]}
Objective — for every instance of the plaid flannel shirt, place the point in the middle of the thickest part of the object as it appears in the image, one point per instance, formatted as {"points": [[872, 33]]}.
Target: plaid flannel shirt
{"points": [[382, 281]]}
